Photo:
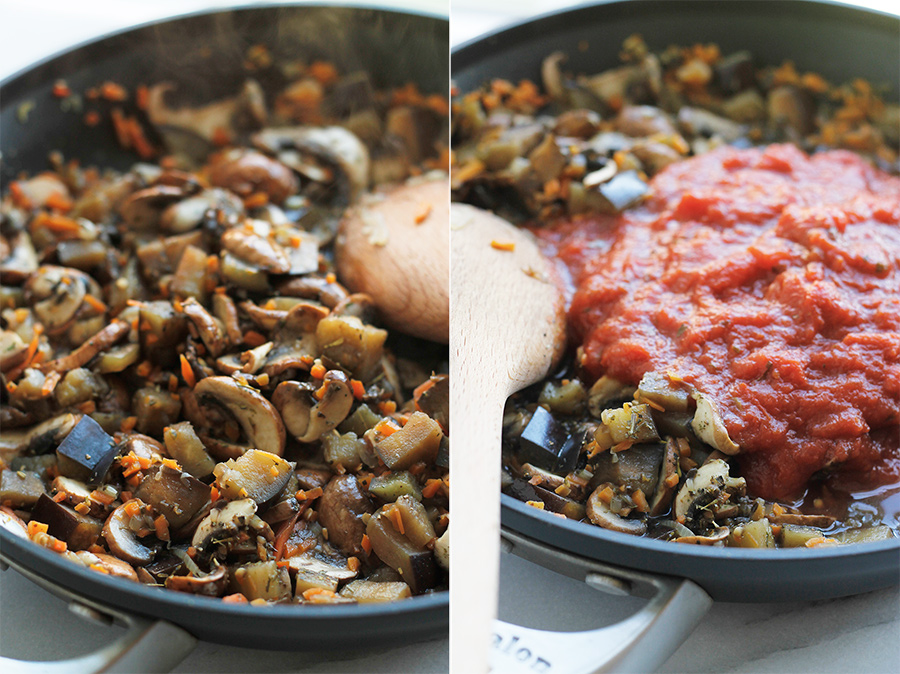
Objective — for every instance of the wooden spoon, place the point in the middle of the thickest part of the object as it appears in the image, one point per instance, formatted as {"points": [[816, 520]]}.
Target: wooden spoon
{"points": [[394, 247], [508, 330]]}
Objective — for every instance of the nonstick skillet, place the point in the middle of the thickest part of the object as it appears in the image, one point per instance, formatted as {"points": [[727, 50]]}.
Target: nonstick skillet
{"points": [[203, 54], [841, 43]]}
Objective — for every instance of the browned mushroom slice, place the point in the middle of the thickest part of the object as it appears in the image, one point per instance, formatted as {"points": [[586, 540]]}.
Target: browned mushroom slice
{"points": [[121, 529], [245, 172], [267, 319], [307, 420], [102, 341], [211, 331], [669, 475], [56, 294], [223, 523], [257, 250], [12, 350], [143, 209], [257, 417], [818, 521], [258, 475], [314, 288], [709, 427], [108, 564], [186, 448], [341, 509], [334, 144], [213, 584], [143, 446], [21, 262], [187, 214], [322, 561], [717, 537], [225, 310], [599, 512], [37, 439]]}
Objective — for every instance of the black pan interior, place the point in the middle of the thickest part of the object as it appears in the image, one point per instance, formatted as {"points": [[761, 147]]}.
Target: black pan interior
{"points": [[840, 42], [202, 55]]}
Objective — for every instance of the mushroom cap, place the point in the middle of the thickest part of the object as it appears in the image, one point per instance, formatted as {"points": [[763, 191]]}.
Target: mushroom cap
{"points": [[258, 418]]}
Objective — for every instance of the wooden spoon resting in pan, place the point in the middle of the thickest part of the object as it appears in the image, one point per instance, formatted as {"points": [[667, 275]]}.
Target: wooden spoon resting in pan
{"points": [[395, 248], [507, 331]]}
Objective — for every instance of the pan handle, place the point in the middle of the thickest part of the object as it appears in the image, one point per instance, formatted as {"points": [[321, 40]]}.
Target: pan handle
{"points": [[640, 643], [151, 646]]}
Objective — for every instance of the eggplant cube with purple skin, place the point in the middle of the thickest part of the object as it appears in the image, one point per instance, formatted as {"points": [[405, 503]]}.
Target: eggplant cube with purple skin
{"points": [[87, 452], [546, 444]]}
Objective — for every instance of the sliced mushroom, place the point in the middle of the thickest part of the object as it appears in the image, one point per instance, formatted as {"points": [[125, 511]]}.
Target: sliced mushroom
{"points": [[212, 584], [211, 331], [56, 294], [335, 144], [258, 418], [223, 523], [308, 421], [189, 213], [142, 210], [12, 523], [709, 487], [257, 250], [37, 439], [246, 172], [314, 288], [120, 535], [107, 563], [12, 350], [605, 391], [321, 562], [22, 260], [599, 513], [717, 537], [709, 427], [669, 475]]}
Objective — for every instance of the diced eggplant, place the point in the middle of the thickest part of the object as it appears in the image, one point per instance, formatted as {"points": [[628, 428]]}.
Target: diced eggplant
{"points": [[164, 329], [187, 449], [796, 536], [87, 452], [878, 532], [416, 525], [175, 494], [343, 450], [258, 475], [77, 530], [360, 421], [658, 388], [118, 358], [546, 443], [392, 486], [416, 566], [358, 347], [155, 409], [43, 465], [20, 489], [756, 534], [553, 502], [341, 510], [418, 440], [636, 468], [369, 592], [263, 580], [568, 398], [435, 400], [624, 190], [308, 579]]}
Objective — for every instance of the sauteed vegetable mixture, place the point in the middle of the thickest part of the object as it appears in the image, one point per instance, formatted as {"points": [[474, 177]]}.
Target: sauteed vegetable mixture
{"points": [[191, 398], [730, 237]]}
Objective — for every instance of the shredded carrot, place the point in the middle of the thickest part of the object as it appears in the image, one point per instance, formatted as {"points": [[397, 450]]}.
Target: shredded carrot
{"points": [[58, 224], [50, 383], [318, 371], [92, 118], [221, 137], [317, 593], [396, 519], [256, 200], [640, 501], [431, 487], [97, 305], [358, 389], [187, 372], [59, 202], [778, 509], [58, 546], [170, 463], [61, 89], [284, 533], [88, 407], [236, 598], [102, 497], [253, 339], [141, 96], [324, 72], [366, 544], [35, 527], [161, 525], [315, 493], [656, 406], [507, 246], [213, 494], [61, 496], [385, 427], [606, 495], [18, 195], [81, 508], [132, 509], [820, 541], [387, 406], [420, 389], [113, 92], [144, 368], [128, 424]]}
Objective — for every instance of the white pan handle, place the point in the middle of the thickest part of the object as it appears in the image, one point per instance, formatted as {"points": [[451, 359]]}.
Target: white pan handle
{"points": [[149, 646], [640, 643]]}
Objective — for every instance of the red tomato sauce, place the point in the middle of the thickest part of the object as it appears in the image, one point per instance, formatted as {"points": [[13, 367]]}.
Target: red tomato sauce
{"points": [[769, 281]]}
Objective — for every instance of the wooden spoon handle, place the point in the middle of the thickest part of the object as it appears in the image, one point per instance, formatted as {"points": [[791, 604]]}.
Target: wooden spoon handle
{"points": [[507, 329]]}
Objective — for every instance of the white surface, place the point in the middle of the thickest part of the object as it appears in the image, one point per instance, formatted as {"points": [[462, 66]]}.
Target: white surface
{"points": [[33, 623]]}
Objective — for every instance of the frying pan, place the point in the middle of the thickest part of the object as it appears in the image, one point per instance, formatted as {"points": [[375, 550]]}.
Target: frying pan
{"points": [[203, 54], [841, 43]]}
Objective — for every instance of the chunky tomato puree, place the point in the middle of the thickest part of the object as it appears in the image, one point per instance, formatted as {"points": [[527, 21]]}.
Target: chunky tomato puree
{"points": [[769, 281]]}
